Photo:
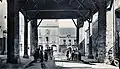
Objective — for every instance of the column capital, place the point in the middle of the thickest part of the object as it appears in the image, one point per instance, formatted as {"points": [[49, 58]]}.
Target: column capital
{"points": [[102, 4]]}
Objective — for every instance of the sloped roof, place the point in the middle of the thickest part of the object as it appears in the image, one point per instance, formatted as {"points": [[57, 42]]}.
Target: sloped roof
{"points": [[60, 9]]}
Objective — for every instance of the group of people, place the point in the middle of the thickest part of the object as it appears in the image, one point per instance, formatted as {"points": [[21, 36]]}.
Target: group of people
{"points": [[42, 55], [73, 54]]}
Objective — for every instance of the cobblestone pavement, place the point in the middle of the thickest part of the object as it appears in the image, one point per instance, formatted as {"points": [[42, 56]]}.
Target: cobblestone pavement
{"points": [[48, 65], [62, 63]]}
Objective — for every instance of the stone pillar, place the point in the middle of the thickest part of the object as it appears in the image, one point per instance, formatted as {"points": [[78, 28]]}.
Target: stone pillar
{"points": [[12, 32], [33, 35], [25, 38], [90, 55], [102, 31]]}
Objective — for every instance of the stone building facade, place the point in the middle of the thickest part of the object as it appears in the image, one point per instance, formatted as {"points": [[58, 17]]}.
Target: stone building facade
{"points": [[61, 33], [3, 24], [48, 30]]}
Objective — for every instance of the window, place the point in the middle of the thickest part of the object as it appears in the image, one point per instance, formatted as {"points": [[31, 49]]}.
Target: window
{"points": [[47, 39], [69, 42], [47, 31], [74, 41], [64, 42]]}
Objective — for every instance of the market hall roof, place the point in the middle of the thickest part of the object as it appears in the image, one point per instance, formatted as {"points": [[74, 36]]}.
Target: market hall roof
{"points": [[60, 9]]}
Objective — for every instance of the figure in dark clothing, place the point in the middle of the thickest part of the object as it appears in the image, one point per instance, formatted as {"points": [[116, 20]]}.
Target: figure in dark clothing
{"points": [[52, 51], [36, 55], [49, 52], [72, 55], [46, 56], [70, 49], [41, 56], [67, 55], [42, 48], [79, 55]]}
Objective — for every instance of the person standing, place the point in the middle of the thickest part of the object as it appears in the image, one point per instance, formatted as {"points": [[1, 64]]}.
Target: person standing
{"points": [[36, 55], [79, 55], [46, 55], [72, 55], [41, 56], [67, 55]]}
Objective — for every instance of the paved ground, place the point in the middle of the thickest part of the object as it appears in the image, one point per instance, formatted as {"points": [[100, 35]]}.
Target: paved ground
{"points": [[22, 63], [48, 65], [63, 58], [69, 65], [62, 63]]}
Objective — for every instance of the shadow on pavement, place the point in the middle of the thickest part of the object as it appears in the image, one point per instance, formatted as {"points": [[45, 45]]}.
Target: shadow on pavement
{"points": [[59, 67], [82, 61]]}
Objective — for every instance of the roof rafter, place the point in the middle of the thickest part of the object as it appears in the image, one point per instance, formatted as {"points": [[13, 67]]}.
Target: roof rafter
{"points": [[39, 22], [24, 13], [74, 22], [23, 4], [80, 4], [62, 8], [36, 4], [56, 1], [70, 2], [94, 5], [82, 1], [83, 16]]}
